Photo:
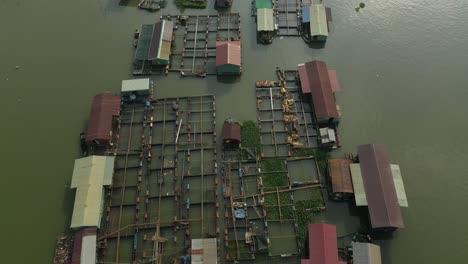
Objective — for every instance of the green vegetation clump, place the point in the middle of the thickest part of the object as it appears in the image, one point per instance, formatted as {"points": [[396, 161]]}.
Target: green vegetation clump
{"points": [[320, 155], [191, 3], [250, 138], [305, 211], [274, 175]]}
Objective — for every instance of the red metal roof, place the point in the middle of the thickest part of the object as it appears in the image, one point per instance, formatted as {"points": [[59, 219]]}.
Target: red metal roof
{"points": [[335, 85], [78, 240], [231, 131], [323, 247], [315, 80], [304, 79], [104, 107], [228, 53], [382, 200]]}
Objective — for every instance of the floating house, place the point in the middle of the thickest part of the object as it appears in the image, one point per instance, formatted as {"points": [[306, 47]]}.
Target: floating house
{"points": [[231, 134], [154, 43], [265, 25], [366, 253], [204, 251], [328, 137], [323, 246], [315, 18], [104, 111], [223, 3], [378, 185], [265, 21], [320, 86], [136, 90], [340, 177], [90, 175], [228, 58], [84, 246]]}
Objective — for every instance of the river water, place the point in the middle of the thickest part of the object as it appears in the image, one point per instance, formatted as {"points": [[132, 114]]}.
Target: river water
{"points": [[402, 65]]}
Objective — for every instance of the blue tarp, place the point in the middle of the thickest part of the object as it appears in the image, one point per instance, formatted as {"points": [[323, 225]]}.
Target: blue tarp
{"points": [[240, 213], [306, 14]]}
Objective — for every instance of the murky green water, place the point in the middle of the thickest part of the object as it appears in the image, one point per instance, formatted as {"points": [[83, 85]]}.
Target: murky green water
{"points": [[402, 67]]}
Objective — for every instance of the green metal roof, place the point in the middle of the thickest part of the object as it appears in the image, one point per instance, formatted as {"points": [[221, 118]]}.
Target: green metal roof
{"points": [[90, 174], [144, 42], [263, 4], [318, 20]]}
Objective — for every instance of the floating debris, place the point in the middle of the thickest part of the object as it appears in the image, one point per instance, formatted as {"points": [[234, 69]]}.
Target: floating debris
{"points": [[63, 249], [361, 5]]}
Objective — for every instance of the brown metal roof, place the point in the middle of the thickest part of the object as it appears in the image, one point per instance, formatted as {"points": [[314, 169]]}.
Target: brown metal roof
{"points": [[231, 131], [228, 53], [155, 41], [380, 189], [318, 81], [104, 107], [340, 175]]}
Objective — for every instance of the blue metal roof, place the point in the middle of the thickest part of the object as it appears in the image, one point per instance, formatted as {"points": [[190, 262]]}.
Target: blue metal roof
{"points": [[305, 14]]}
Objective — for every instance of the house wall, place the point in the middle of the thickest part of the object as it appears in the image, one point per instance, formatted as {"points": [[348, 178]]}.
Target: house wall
{"points": [[228, 69]]}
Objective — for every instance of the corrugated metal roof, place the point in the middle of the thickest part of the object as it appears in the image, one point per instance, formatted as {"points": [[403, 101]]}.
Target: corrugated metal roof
{"points": [[323, 247], [156, 41], [104, 107], [150, 42], [358, 185], [314, 78], [340, 175], [366, 253], [90, 174], [135, 85], [318, 20], [144, 42], [265, 19], [204, 251], [381, 194], [231, 131], [335, 85], [168, 30], [263, 4], [88, 250], [228, 53], [78, 241], [306, 14], [304, 77], [399, 185]]}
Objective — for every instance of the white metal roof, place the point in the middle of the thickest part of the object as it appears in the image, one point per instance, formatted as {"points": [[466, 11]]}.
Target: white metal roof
{"points": [[318, 20], [135, 85], [366, 253], [88, 250], [358, 185], [265, 19], [204, 251], [399, 185], [90, 174]]}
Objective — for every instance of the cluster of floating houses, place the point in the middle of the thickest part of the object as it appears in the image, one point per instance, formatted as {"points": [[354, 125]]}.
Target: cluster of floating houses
{"points": [[104, 221]]}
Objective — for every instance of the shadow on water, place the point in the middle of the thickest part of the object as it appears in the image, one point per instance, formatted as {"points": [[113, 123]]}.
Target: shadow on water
{"points": [[67, 206], [317, 45], [228, 79], [130, 3]]}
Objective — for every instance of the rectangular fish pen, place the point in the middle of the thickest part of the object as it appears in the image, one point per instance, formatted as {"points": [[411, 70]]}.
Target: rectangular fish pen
{"points": [[194, 44], [285, 120], [164, 186]]}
